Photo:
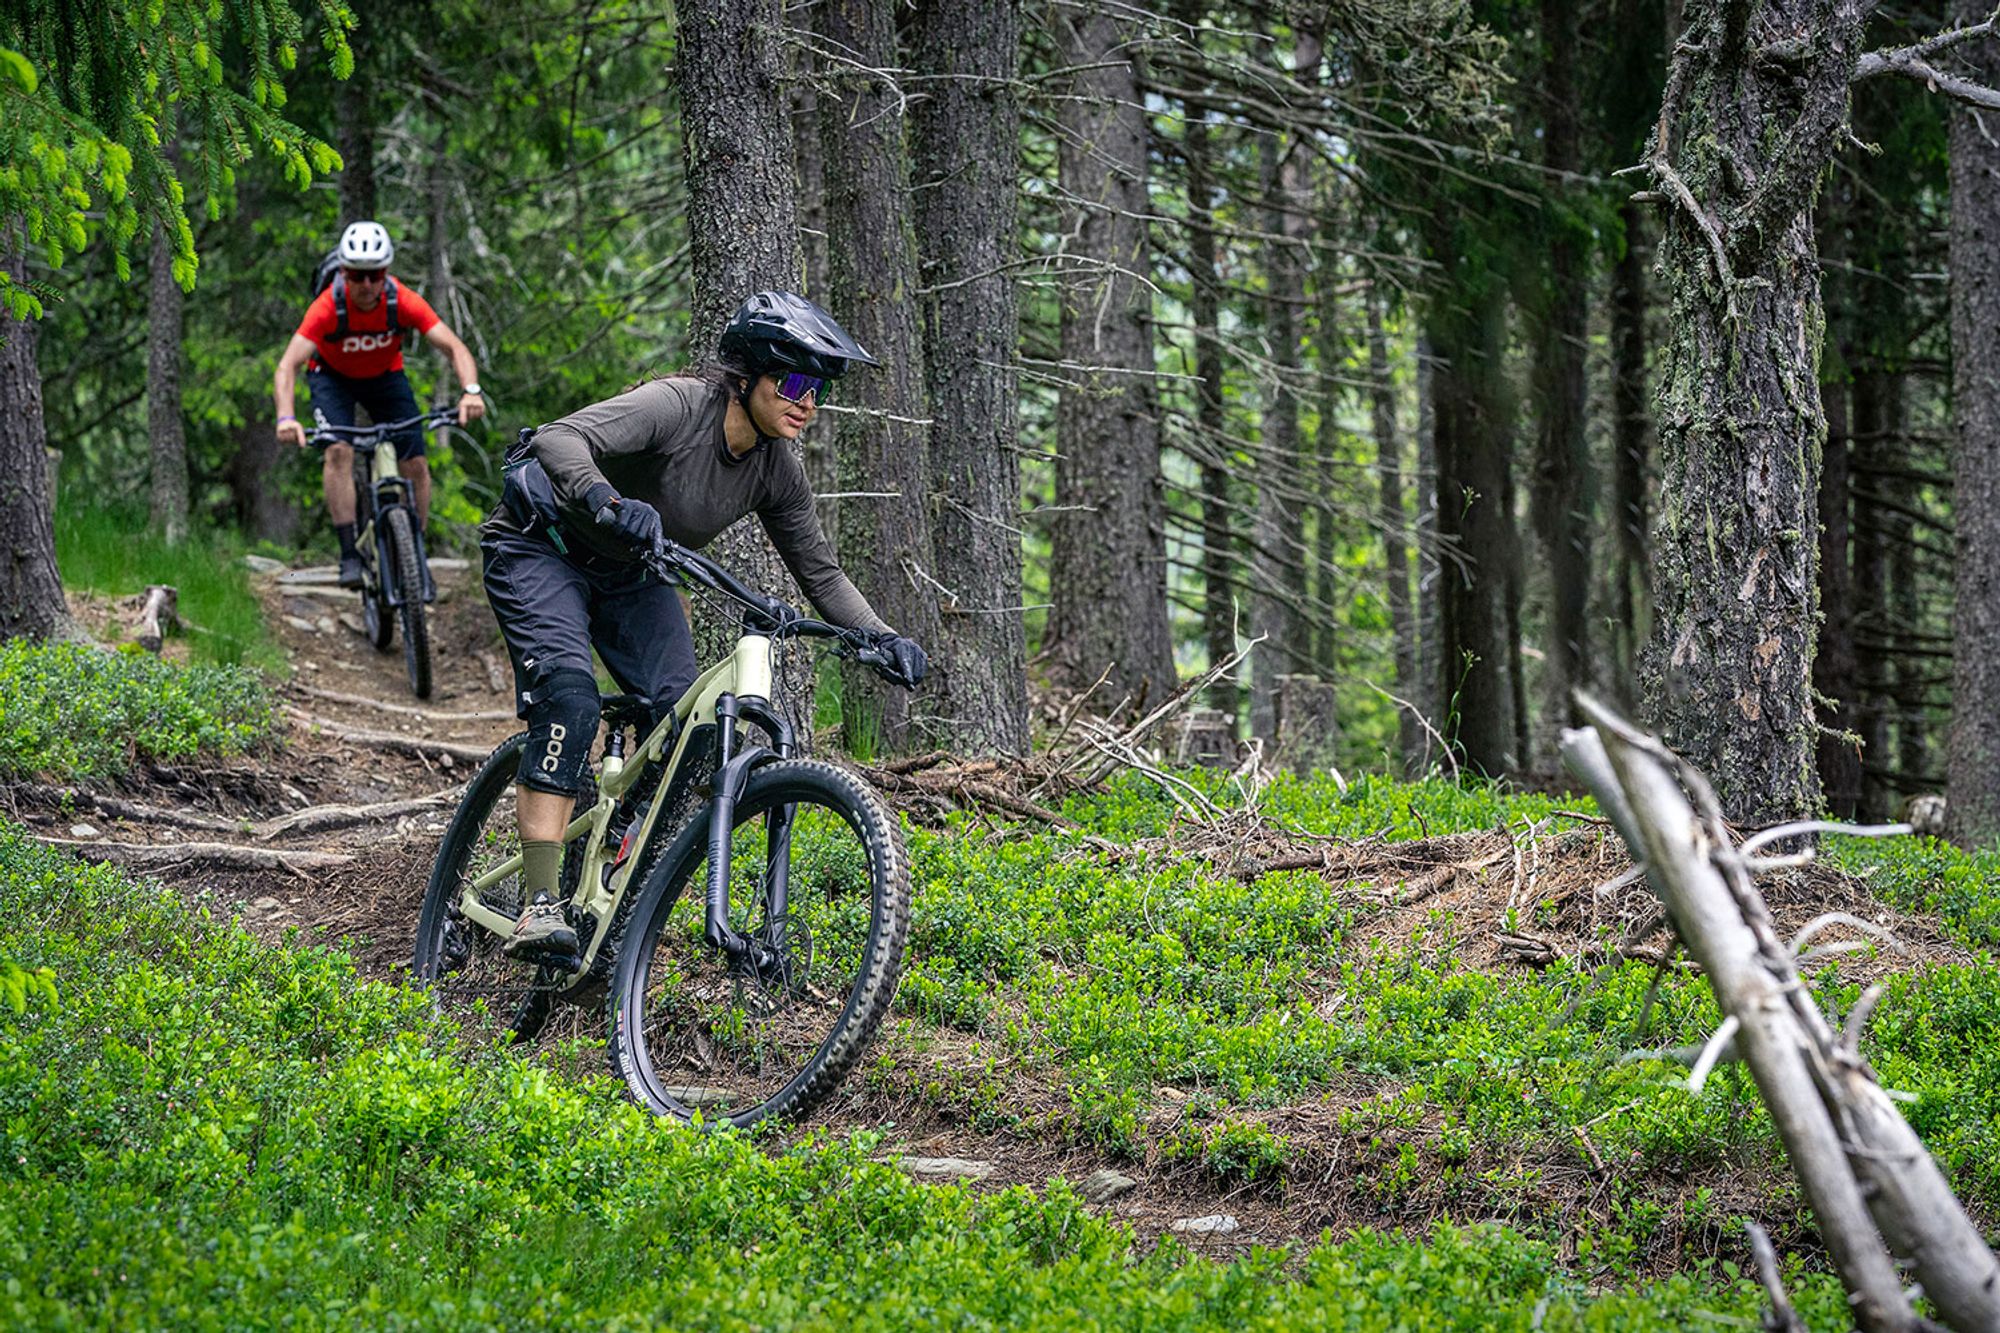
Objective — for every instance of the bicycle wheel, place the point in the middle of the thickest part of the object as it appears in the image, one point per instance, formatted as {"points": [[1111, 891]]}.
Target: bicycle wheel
{"points": [[459, 959], [772, 1040], [409, 576]]}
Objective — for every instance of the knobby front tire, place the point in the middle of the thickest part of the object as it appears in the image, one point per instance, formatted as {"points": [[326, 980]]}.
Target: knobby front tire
{"points": [[410, 582], [687, 1035]]}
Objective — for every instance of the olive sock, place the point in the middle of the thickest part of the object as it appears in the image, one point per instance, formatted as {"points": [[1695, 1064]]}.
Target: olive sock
{"points": [[541, 867], [345, 532]]}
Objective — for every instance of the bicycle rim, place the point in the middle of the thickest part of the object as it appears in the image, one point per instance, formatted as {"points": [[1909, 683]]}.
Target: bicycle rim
{"points": [[495, 997], [741, 1044]]}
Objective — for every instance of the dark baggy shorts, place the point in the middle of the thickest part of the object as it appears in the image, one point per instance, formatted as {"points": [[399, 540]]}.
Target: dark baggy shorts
{"points": [[553, 610], [386, 397]]}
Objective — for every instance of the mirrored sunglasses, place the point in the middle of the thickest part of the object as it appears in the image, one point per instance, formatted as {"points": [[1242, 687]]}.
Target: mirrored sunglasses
{"points": [[365, 275], [796, 388]]}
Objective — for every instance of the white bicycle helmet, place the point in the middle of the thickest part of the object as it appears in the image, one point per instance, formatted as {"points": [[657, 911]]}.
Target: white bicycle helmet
{"points": [[366, 245]]}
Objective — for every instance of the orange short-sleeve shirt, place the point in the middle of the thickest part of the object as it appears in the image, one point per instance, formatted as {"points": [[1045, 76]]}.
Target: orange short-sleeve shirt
{"points": [[368, 349]]}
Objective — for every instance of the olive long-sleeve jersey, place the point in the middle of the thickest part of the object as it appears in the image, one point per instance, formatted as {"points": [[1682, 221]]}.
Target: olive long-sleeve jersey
{"points": [[663, 443]]}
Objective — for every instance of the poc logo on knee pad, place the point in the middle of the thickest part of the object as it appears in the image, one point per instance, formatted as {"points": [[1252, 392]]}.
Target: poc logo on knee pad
{"points": [[552, 756]]}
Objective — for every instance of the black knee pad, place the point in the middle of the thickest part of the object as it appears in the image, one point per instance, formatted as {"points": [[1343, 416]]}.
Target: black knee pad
{"points": [[562, 725]]}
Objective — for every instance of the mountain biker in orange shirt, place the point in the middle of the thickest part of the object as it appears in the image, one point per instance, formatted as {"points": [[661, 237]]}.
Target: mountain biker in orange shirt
{"points": [[350, 344]]}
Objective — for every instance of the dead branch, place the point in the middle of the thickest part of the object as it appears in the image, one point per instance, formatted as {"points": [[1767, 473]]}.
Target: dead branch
{"points": [[1866, 1173], [231, 855], [312, 819], [405, 710], [420, 746]]}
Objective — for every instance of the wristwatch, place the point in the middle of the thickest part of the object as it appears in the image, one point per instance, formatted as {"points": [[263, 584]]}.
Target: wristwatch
{"points": [[472, 389]]}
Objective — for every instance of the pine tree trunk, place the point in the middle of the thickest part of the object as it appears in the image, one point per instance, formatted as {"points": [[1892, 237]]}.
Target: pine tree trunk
{"points": [[1430, 572], [1561, 483], [1218, 554], [163, 392], [1973, 763], [1877, 530], [1477, 611], [1108, 562], [439, 287], [1834, 671], [354, 136], [1396, 556], [810, 170], [885, 543], [964, 149], [1278, 561], [1631, 441], [257, 500], [742, 238], [1728, 669], [31, 595]]}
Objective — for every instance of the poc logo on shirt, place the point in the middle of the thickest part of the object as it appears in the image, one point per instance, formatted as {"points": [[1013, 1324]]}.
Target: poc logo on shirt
{"points": [[369, 342]]}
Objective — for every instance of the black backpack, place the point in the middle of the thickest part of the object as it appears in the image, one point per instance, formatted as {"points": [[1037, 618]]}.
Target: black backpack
{"points": [[328, 273]]}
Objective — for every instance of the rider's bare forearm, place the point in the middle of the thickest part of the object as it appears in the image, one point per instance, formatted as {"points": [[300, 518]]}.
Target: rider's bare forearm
{"points": [[281, 385], [463, 366]]}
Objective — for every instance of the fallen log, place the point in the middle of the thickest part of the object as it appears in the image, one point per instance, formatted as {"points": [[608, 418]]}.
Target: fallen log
{"points": [[405, 710], [1869, 1178], [232, 855], [311, 819], [421, 746]]}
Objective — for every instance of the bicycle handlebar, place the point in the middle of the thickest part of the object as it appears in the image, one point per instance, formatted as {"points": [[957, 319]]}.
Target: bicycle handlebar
{"points": [[673, 561], [382, 430]]}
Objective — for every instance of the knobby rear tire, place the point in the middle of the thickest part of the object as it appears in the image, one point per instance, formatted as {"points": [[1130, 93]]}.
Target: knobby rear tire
{"points": [[410, 583], [869, 993], [481, 833]]}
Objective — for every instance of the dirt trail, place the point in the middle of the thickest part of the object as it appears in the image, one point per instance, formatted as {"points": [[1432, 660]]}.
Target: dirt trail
{"points": [[367, 904]]}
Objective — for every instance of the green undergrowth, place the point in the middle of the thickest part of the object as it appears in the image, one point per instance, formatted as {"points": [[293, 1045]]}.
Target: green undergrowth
{"points": [[1172, 1015], [116, 553], [72, 712], [204, 1132]]}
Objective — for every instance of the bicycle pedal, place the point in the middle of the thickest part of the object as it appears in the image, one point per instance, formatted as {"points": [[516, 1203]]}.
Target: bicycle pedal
{"points": [[559, 960]]}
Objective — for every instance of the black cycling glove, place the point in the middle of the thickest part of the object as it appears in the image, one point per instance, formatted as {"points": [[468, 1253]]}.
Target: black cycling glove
{"points": [[633, 522], [906, 655]]}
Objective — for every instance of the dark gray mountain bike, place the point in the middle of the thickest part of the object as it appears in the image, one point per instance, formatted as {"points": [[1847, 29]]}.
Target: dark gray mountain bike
{"points": [[750, 997], [396, 573]]}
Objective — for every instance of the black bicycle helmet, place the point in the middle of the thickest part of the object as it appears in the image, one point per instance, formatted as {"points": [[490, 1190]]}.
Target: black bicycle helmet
{"points": [[779, 331]]}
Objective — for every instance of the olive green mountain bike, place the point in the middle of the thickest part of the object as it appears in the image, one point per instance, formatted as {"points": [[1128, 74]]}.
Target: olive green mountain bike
{"points": [[750, 997]]}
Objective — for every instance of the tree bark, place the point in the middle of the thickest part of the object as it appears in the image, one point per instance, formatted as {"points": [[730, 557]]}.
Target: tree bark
{"points": [[885, 542], [439, 288], [354, 136], [1278, 562], [1631, 440], [257, 501], [1218, 603], [810, 170], [1396, 556], [169, 491], [742, 238], [1728, 669], [1834, 671], [1561, 482], [964, 149], [31, 595], [1430, 573], [1108, 562], [1475, 526], [1973, 761]]}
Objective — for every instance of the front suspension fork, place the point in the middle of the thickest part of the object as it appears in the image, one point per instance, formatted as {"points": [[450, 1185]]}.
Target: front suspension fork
{"points": [[733, 767]]}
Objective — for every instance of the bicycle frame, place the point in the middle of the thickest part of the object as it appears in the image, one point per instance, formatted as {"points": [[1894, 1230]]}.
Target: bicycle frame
{"points": [[734, 690], [379, 486]]}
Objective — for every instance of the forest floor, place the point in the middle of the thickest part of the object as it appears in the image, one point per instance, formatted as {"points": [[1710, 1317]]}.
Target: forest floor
{"points": [[1491, 901]]}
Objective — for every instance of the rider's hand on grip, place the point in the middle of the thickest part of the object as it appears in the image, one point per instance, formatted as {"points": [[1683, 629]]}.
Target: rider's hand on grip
{"points": [[900, 659], [633, 522]]}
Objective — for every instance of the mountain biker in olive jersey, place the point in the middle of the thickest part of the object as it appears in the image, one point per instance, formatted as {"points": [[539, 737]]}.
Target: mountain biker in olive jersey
{"points": [[678, 458], [351, 346]]}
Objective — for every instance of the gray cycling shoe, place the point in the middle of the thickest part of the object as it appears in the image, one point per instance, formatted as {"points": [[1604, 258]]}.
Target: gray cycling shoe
{"points": [[541, 929]]}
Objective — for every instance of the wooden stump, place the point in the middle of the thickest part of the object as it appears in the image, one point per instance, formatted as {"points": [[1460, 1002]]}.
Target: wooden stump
{"points": [[157, 613], [1308, 731], [1204, 737]]}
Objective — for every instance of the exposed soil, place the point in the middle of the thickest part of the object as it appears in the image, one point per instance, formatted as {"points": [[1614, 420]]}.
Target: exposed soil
{"points": [[1496, 900]]}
